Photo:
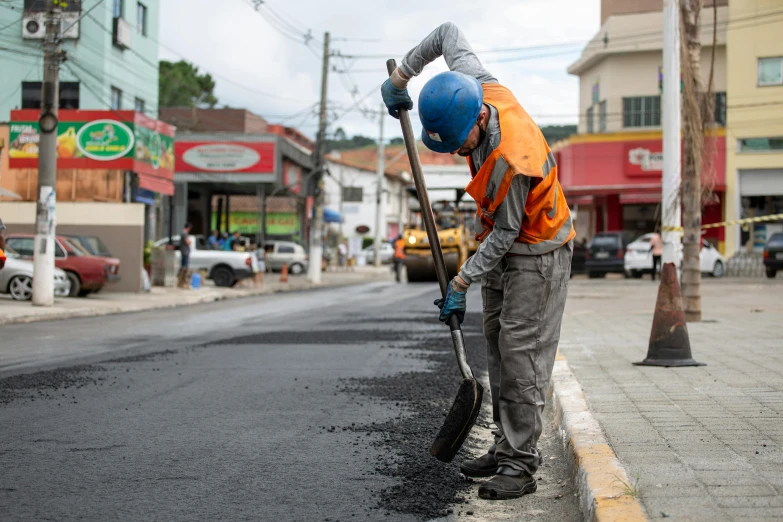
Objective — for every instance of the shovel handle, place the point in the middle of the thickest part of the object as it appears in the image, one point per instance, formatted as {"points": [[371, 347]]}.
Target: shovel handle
{"points": [[429, 226]]}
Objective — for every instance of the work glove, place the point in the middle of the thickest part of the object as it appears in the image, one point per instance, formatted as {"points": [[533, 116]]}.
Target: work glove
{"points": [[395, 98], [454, 302]]}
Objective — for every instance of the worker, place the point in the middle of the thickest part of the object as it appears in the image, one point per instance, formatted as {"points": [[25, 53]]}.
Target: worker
{"points": [[399, 256], [526, 236], [2, 245], [656, 247]]}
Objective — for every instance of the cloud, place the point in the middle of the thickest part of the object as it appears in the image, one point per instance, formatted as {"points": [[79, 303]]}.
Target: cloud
{"points": [[257, 67]]}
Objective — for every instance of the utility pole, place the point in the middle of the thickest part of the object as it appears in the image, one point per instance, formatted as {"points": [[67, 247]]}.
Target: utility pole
{"points": [[693, 132], [43, 255], [379, 192], [317, 223], [670, 198]]}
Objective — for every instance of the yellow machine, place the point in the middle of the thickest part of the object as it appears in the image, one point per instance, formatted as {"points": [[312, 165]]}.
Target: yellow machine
{"points": [[456, 240]]}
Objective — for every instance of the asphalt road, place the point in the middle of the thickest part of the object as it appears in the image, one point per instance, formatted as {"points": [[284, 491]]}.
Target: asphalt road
{"points": [[315, 405]]}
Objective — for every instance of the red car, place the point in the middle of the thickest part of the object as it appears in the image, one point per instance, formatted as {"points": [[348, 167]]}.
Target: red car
{"points": [[87, 273]]}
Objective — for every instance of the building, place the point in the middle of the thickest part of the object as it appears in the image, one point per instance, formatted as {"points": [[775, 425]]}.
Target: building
{"points": [[235, 172], [611, 170], [350, 190], [754, 131], [112, 56]]}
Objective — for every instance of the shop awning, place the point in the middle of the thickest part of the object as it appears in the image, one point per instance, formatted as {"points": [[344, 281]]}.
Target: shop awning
{"points": [[331, 216], [156, 184]]}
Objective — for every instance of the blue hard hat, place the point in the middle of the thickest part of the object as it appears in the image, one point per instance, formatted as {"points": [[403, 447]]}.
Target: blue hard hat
{"points": [[449, 105]]}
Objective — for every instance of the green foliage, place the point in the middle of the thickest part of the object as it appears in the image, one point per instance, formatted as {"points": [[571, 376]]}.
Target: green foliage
{"points": [[341, 142], [181, 85], [397, 141], [148, 252], [554, 133], [367, 241]]}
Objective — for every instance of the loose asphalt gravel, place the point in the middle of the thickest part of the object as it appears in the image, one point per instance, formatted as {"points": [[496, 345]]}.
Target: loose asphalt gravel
{"points": [[309, 406]]}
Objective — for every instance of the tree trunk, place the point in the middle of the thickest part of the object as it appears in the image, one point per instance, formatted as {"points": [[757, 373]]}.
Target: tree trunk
{"points": [[693, 151]]}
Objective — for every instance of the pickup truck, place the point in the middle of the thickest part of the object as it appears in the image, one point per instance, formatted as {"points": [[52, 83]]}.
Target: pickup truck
{"points": [[224, 267]]}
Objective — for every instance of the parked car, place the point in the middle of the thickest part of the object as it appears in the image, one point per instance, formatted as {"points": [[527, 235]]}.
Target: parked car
{"points": [[87, 274], [639, 261], [606, 252], [578, 258], [279, 253], [16, 278], [773, 255], [224, 267], [387, 253], [92, 244]]}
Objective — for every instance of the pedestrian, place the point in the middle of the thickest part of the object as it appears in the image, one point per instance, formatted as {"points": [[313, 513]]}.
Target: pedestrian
{"points": [[214, 240], [184, 250], [399, 257], [526, 242], [656, 247], [342, 252], [2, 245], [223, 240]]}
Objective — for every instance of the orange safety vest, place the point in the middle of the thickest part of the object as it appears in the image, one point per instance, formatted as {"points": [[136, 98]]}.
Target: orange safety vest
{"points": [[399, 249], [523, 150]]}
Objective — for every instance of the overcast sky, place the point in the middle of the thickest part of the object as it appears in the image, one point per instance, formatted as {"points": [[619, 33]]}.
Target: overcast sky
{"points": [[278, 77]]}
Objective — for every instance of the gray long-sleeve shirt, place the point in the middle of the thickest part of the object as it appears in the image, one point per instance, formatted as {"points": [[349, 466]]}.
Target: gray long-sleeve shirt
{"points": [[448, 41]]}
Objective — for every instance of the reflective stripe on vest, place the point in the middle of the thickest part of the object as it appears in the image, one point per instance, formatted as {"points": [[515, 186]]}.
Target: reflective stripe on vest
{"points": [[522, 150]]}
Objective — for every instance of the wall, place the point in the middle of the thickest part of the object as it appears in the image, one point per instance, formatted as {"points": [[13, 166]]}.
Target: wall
{"points": [[617, 7], [753, 111], [120, 226], [94, 61]]}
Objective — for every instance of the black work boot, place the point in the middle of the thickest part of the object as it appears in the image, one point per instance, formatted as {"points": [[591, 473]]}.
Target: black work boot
{"points": [[484, 466], [508, 483]]}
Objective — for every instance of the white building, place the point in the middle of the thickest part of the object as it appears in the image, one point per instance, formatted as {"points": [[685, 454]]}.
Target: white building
{"points": [[356, 201]]}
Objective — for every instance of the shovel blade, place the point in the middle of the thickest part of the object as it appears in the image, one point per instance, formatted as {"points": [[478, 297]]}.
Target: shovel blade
{"points": [[458, 422]]}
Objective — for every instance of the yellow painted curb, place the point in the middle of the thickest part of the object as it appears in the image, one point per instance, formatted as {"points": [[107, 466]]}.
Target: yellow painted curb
{"points": [[600, 479]]}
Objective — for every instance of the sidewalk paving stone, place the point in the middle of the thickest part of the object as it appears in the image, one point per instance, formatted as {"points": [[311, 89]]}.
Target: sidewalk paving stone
{"points": [[693, 438]]}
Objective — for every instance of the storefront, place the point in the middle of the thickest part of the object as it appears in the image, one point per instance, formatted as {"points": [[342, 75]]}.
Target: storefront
{"points": [[227, 181], [613, 182], [761, 194]]}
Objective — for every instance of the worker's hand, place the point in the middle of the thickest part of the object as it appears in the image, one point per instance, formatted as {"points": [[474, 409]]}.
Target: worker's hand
{"points": [[395, 99], [455, 301]]}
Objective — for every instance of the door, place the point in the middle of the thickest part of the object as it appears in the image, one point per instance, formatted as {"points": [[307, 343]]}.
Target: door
{"points": [[200, 255]]}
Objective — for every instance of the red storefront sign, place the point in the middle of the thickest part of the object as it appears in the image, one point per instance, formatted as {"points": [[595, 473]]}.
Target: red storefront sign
{"points": [[644, 159], [228, 157]]}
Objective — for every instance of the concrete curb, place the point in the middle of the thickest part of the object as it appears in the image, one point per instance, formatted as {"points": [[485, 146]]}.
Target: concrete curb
{"points": [[600, 479], [99, 311]]}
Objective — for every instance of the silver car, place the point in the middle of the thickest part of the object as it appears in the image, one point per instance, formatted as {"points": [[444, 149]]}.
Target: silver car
{"points": [[279, 253], [16, 278]]}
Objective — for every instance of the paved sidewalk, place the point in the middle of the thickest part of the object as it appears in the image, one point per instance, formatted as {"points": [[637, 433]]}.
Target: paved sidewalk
{"points": [[701, 443], [106, 303]]}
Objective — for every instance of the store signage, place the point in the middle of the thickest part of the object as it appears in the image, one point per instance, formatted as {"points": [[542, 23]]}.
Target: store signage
{"points": [[643, 160], [277, 223], [229, 157], [97, 140]]}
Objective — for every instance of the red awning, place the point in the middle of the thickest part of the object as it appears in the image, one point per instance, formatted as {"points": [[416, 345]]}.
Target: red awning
{"points": [[156, 184]]}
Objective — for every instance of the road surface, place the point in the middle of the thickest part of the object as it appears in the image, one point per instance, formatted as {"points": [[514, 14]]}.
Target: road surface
{"points": [[316, 405]]}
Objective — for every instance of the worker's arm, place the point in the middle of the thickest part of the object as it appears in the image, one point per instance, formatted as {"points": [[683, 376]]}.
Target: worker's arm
{"points": [[508, 221], [447, 41]]}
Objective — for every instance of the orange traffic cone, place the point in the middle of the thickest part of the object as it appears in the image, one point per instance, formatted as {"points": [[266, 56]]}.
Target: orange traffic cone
{"points": [[669, 341], [284, 274]]}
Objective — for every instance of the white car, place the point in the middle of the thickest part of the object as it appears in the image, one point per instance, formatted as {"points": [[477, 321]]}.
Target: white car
{"points": [[224, 267], [387, 253], [16, 278], [639, 261]]}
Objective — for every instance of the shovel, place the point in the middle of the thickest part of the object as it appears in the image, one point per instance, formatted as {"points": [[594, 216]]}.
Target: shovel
{"points": [[466, 406]]}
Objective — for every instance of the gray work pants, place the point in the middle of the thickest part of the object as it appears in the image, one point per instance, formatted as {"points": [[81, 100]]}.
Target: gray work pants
{"points": [[524, 298]]}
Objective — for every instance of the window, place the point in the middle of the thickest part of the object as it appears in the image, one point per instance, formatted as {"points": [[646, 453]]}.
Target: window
{"points": [[720, 109], [770, 71], [138, 105], [118, 8], [31, 95], [116, 99], [58, 251], [282, 249], [24, 246], [201, 243], [352, 194], [590, 126], [760, 144], [602, 116], [141, 19], [642, 111]]}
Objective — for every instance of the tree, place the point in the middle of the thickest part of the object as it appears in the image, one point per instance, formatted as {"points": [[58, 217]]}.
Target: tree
{"points": [[339, 134], [693, 156], [397, 141], [181, 85]]}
